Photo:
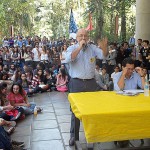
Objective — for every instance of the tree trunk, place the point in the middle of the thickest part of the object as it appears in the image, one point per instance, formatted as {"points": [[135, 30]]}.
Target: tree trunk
{"points": [[99, 20], [21, 24], [112, 23], [123, 21]]}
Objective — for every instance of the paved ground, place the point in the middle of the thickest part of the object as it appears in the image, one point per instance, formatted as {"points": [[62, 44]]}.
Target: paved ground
{"points": [[50, 129]]}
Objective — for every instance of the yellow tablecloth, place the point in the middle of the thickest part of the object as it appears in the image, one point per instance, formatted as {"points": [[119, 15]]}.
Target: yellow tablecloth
{"points": [[107, 116]]}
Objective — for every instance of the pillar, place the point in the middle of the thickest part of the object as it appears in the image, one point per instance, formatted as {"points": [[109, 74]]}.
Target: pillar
{"points": [[143, 19]]}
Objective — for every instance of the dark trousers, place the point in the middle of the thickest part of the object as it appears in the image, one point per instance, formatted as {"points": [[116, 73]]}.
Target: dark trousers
{"points": [[75, 86], [5, 116], [5, 142], [35, 63], [29, 63], [110, 69]]}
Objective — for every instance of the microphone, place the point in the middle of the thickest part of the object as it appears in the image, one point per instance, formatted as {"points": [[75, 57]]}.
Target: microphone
{"points": [[84, 46]]}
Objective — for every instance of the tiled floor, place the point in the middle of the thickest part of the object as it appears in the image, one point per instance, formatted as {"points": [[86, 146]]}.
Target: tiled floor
{"points": [[50, 129]]}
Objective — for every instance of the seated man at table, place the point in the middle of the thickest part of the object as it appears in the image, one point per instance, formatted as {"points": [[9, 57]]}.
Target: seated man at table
{"points": [[128, 78]]}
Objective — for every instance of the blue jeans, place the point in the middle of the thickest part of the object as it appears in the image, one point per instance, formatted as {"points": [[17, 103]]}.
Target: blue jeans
{"points": [[29, 110], [5, 142]]}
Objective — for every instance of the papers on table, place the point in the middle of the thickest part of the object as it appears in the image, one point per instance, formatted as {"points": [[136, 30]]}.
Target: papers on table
{"points": [[130, 92], [134, 91]]}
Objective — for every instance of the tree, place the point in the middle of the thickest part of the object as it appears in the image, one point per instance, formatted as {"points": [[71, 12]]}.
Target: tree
{"points": [[105, 12], [52, 17], [17, 13]]}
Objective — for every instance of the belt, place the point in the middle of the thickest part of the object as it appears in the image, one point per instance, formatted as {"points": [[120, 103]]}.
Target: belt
{"points": [[83, 79]]}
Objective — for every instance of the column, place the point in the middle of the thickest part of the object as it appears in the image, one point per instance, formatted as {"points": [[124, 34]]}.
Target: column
{"points": [[143, 19]]}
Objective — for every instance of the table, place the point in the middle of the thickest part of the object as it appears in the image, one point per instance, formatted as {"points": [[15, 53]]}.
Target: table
{"points": [[107, 116]]}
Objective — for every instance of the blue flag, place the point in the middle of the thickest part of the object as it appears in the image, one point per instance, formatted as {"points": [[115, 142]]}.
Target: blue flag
{"points": [[72, 26]]}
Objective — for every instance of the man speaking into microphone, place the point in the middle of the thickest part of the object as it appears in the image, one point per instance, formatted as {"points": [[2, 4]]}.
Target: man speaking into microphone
{"points": [[81, 58]]}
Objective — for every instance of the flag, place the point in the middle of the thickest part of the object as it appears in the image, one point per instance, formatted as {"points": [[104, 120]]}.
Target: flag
{"points": [[89, 27], [72, 26]]}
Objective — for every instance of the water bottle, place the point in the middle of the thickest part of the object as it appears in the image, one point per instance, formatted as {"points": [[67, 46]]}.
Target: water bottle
{"points": [[146, 88], [35, 111]]}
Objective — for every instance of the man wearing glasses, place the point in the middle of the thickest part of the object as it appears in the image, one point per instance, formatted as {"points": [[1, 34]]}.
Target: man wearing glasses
{"points": [[81, 58]]}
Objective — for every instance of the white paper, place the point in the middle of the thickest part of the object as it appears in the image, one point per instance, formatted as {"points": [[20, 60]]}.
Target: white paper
{"points": [[134, 91], [130, 92]]}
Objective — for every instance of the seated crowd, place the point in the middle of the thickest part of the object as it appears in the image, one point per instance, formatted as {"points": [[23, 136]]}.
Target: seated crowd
{"points": [[31, 66], [25, 71]]}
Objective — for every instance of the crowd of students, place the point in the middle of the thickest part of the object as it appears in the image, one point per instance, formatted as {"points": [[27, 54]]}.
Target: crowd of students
{"points": [[26, 68], [32, 65], [112, 64]]}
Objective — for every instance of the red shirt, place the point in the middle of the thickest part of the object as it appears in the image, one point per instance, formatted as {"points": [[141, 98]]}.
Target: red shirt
{"points": [[17, 98]]}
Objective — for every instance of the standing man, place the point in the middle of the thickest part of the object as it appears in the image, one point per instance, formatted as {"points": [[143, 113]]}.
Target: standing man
{"points": [[20, 42], [144, 55], [136, 52], [111, 59], [36, 54], [81, 58]]}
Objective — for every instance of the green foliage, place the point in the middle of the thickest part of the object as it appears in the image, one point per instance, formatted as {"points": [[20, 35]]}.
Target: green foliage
{"points": [[16, 13], [104, 13], [51, 17]]}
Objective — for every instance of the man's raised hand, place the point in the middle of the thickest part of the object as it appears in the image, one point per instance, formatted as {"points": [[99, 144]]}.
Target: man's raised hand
{"points": [[103, 44]]}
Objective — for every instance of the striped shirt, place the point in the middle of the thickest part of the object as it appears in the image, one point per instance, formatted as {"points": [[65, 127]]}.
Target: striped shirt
{"points": [[35, 81]]}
